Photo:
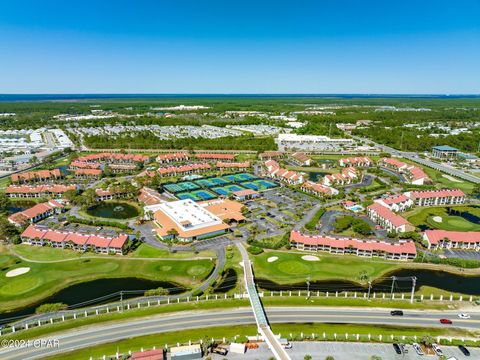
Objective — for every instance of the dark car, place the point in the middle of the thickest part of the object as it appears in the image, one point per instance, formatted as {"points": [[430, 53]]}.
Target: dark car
{"points": [[397, 349], [464, 350], [446, 321], [396, 313]]}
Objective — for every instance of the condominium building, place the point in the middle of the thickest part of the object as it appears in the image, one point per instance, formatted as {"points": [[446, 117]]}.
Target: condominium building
{"points": [[442, 239], [401, 250], [437, 197], [386, 218]]}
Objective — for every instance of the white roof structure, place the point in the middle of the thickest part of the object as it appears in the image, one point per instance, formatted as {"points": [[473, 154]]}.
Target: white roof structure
{"points": [[188, 215]]}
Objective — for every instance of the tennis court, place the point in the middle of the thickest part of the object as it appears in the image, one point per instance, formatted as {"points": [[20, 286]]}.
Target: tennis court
{"points": [[181, 186], [196, 195], [227, 189], [259, 185], [240, 177]]}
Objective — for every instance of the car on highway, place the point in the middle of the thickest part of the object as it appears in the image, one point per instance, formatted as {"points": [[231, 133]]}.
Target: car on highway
{"points": [[418, 349], [220, 351], [446, 321], [437, 349], [397, 349], [396, 313], [463, 316], [464, 350]]}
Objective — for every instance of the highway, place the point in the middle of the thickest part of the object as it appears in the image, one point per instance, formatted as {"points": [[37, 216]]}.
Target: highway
{"points": [[104, 333]]}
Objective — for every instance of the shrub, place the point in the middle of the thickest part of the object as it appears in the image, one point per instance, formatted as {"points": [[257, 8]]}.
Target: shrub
{"points": [[156, 292], [54, 307], [255, 250]]}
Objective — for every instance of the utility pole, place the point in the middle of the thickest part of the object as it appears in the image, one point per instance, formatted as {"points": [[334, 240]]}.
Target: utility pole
{"points": [[393, 284], [369, 288], [121, 299], [308, 287], [414, 282]]}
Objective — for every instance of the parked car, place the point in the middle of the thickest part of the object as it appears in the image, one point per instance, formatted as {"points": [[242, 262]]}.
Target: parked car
{"points": [[396, 313], [437, 349], [464, 316], [446, 321], [418, 349], [404, 349], [464, 350], [220, 351], [397, 349]]}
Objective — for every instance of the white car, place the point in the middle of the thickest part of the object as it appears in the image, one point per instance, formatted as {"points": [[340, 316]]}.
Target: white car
{"points": [[437, 349], [418, 349], [464, 316]]}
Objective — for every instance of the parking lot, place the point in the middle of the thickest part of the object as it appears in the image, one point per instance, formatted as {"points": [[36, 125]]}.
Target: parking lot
{"points": [[348, 351], [462, 254], [278, 207]]}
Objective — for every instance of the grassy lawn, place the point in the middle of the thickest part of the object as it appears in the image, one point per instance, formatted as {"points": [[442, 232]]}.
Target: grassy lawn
{"points": [[424, 216], [44, 279], [4, 182], [442, 182], [241, 331], [37, 253], [291, 268]]}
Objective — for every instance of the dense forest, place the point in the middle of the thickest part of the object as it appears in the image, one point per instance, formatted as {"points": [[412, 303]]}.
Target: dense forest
{"points": [[147, 140]]}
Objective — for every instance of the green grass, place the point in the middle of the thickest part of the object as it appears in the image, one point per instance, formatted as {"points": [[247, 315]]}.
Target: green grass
{"points": [[291, 268], [442, 182], [241, 331], [37, 253], [45, 279], [424, 216]]}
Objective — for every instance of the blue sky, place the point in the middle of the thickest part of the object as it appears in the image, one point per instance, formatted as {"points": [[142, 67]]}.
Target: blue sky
{"points": [[229, 46]]}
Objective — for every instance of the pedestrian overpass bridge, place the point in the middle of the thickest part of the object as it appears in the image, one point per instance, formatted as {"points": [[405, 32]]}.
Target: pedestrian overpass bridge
{"points": [[258, 311]]}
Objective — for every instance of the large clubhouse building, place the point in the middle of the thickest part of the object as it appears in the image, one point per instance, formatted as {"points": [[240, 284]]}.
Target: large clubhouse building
{"points": [[187, 220]]}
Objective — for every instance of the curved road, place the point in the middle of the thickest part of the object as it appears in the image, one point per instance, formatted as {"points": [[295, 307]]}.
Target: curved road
{"points": [[104, 333]]}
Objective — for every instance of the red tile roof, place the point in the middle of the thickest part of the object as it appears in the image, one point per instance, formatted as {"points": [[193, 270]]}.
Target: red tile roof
{"points": [[39, 189], [402, 247], [238, 165], [92, 172], [436, 193], [388, 215], [215, 156], [42, 232], [434, 236], [34, 175]]}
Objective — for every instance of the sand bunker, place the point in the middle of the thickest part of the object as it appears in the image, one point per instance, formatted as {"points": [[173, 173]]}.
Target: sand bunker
{"points": [[437, 219], [272, 259], [310, 258], [18, 271]]}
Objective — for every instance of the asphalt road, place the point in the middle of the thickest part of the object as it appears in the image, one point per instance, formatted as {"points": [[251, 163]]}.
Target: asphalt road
{"points": [[103, 333]]}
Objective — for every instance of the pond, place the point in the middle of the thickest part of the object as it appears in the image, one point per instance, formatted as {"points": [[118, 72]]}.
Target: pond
{"points": [[315, 176], [227, 282], [438, 279], [113, 210], [16, 206], [96, 292]]}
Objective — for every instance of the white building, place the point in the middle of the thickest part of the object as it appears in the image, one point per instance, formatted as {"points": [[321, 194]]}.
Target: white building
{"points": [[311, 142]]}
